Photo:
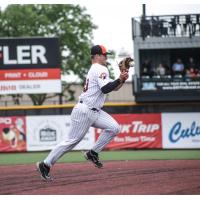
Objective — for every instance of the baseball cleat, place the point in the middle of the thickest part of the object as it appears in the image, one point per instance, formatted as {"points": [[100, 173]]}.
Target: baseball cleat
{"points": [[93, 157], [44, 171]]}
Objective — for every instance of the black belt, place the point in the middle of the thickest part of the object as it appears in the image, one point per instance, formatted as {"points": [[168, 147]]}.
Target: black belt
{"points": [[94, 109]]}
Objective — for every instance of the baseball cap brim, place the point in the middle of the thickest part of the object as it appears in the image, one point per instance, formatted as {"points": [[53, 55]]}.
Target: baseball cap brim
{"points": [[109, 53]]}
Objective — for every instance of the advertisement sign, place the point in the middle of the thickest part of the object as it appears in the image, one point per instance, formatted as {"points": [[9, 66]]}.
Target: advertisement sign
{"points": [[29, 74], [137, 131], [170, 85], [40, 133], [25, 60], [45, 132], [29, 53], [29, 87], [181, 130], [12, 134]]}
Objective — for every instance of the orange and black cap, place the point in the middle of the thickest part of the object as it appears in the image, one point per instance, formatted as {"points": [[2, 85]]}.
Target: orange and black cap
{"points": [[100, 50]]}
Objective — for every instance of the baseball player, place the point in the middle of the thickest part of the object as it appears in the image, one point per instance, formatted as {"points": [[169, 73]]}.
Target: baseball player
{"points": [[87, 112]]}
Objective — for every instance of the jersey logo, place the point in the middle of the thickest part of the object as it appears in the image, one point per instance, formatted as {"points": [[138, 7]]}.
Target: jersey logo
{"points": [[103, 76]]}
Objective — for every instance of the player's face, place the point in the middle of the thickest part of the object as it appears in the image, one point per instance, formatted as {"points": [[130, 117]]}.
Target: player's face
{"points": [[103, 59]]}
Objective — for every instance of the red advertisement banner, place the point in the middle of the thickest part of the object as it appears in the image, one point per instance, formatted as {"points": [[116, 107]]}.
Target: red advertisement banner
{"points": [[137, 131], [30, 74], [12, 134]]}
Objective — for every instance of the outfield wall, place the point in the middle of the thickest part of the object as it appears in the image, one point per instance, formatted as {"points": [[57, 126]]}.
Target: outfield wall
{"points": [[161, 130]]}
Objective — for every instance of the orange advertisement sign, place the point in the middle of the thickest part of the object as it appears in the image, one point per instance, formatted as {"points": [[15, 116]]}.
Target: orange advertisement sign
{"points": [[137, 131], [12, 134]]}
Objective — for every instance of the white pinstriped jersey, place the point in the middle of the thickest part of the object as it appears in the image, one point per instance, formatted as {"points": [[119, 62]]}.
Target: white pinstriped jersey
{"points": [[97, 77]]}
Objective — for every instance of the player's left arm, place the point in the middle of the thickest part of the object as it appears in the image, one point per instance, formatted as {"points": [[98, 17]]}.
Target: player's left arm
{"points": [[118, 87], [116, 84]]}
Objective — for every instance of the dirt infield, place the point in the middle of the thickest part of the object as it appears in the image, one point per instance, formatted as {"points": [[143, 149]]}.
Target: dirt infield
{"points": [[119, 177]]}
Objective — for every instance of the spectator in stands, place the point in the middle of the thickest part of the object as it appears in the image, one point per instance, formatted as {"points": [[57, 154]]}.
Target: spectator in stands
{"points": [[173, 25], [191, 73], [195, 25], [191, 63], [147, 68], [155, 26], [178, 67], [167, 69], [145, 28], [145, 71], [161, 70], [163, 29], [188, 25], [191, 69]]}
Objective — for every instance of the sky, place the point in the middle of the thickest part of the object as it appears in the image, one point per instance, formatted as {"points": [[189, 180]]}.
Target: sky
{"points": [[114, 22], [113, 19]]}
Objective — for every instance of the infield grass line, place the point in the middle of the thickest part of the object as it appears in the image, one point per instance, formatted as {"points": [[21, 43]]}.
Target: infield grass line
{"points": [[77, 156]]}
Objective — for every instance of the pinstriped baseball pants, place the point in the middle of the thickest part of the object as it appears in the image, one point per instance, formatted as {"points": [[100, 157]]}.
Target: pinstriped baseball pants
{"points": [[82, 118]]}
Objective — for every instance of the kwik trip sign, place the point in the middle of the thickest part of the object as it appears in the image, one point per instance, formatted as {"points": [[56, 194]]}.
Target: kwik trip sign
{"points": [[29, 65]]}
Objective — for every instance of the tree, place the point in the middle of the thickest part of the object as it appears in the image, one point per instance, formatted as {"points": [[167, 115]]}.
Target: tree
{"points": [[70, 23]]}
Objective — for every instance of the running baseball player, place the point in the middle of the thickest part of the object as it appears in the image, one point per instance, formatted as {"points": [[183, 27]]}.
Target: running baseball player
{"points": [[87, 112]]}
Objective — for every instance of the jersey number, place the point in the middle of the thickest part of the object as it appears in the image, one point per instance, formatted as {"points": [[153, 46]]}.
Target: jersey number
{"points": [[85, 87]]}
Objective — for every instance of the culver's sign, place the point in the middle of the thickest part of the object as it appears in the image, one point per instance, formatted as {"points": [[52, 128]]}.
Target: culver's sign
{"points": [[181, 130]]}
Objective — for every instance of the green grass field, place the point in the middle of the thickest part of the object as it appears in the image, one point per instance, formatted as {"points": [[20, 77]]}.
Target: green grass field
{"points": [[77, 156]]}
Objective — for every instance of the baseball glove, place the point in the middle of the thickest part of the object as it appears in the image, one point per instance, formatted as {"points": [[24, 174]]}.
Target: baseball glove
{"points": [[125, 64]]}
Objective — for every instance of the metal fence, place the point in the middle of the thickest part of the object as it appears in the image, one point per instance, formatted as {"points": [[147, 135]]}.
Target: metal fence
{"points": [[187, 25]]}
